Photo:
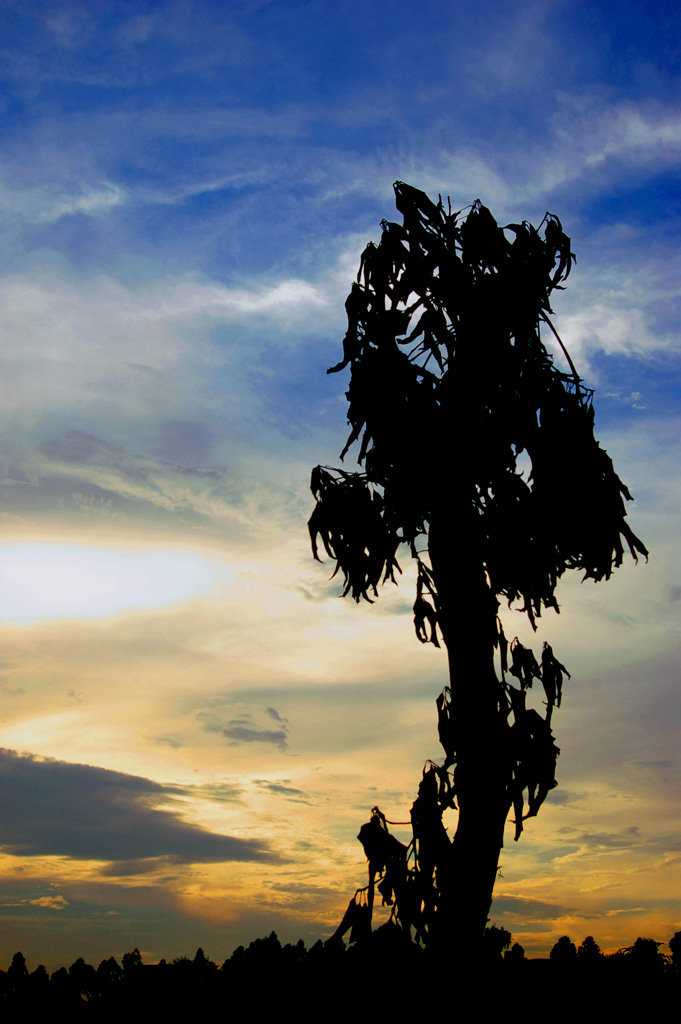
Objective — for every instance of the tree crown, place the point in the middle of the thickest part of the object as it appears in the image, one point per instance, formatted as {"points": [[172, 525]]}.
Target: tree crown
{"points": [[450, 383]]}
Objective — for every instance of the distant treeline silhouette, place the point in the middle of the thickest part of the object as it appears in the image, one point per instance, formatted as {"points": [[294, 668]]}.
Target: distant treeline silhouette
{"points": [[269, 975]]}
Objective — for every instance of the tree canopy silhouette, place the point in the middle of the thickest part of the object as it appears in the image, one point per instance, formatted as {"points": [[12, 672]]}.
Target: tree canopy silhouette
{"points": [[450, 383]]}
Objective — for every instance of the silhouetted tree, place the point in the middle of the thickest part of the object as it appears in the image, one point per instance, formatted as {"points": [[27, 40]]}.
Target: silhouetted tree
{"points": [[110, 973], [39, 987], [62, 988], [675, 948], [16, 979], [589, 952], [109, 980], [17, 970], [84, 978], [450, 383], [494, 941], [645, 956], [564, 952], [202, 963], [39, 976], [131, 961]]}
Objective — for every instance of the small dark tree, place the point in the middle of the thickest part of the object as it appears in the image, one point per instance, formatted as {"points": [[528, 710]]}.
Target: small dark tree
{"points": [[17, 973], [203, 967], [564, 952], [185, 963], [84, 978], [131, 962], [645, 957], [39, 985], [17, 970], [589, 952], [109, 977], [450, 383], [494, 941]]}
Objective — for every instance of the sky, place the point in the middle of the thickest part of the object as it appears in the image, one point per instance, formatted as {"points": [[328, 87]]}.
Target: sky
{"points": [[193, 726]]}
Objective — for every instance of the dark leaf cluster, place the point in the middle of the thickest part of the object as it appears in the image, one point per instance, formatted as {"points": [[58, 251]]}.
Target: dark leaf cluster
{"points": [[410, 878], [450, 383], [530, 753], [350, 520]]}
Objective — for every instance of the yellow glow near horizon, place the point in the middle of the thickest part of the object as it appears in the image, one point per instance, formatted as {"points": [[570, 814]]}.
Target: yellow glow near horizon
{"points": [[44, 581]]}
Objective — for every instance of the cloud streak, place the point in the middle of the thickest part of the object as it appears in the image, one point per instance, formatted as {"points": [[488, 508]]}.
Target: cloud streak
{"points": [[54, 808], [242, 728]]}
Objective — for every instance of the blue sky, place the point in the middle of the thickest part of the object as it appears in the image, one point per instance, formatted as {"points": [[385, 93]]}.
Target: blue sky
{"points": [[185, 189]]}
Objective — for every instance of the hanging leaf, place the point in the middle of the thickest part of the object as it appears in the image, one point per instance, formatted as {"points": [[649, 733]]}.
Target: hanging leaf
{"points": [[524, 664], [552, 673]]}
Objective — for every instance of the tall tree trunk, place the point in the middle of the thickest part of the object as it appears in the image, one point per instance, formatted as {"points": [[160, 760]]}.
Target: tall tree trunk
{"points": [[467, 611]]}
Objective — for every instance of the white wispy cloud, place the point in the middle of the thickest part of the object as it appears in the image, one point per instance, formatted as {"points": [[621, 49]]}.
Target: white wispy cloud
{"points": [[586, 139], [605, 327], [94, 202], [249, 505], [46, 205], [67, 341], [589, 133]]}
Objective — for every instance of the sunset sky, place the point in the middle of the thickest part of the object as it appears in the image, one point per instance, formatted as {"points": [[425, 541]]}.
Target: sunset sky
{"points": [[193, 725]]}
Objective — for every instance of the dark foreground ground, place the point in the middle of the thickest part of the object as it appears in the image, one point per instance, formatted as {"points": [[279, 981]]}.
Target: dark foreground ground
{"points": [[375, 980]]}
